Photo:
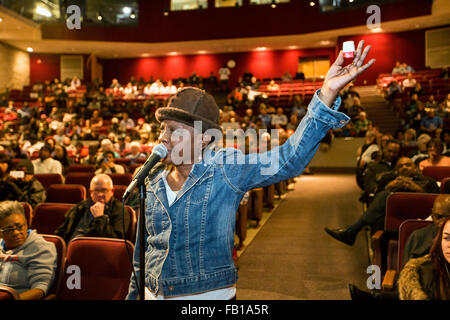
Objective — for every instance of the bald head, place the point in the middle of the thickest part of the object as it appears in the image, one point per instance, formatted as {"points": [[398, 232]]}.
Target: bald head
{"points": [[101, 188], [441, 208]]}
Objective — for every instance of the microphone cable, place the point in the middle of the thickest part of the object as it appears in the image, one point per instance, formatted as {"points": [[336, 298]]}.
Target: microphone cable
{"points": [[130, 258]]}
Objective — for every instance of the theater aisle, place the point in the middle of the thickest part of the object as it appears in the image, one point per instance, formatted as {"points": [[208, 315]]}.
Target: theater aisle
{"points": [[292, 257]]}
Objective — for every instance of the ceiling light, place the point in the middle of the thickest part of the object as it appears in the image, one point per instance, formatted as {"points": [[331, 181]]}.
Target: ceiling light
{"points": [[376, 30], [166, 12], [29, 49], [273, 5], [325, 42], [173, 53], [126, 10], [351, 1], [43, 11], [312, 3], [99, 17], [132, 15], [1, 19], [292, 47], [261, 49], [202, 52]]}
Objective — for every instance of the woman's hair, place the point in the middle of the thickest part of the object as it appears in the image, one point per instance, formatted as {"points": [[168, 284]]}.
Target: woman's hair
{"points": [[437, 143], [441, 265], [8, 208]]}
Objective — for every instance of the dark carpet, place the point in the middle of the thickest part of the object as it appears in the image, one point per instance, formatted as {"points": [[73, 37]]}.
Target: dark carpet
{"points": [[293, 258]]}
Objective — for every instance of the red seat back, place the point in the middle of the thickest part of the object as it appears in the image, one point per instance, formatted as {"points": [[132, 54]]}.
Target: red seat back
{"points": [[105, 269], [28, 210], [437, 173], [47, 179], [119, 191], [60, 246], [123, 179], [401, 206], [81, 168], [49, 216], [66, 193], [405, 230], [83, 178]]}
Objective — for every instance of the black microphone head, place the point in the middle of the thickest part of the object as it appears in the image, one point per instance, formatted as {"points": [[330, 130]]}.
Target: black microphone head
{"points": [[160, 150]]}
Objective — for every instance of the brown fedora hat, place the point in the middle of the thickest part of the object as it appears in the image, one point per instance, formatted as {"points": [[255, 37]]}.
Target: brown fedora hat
{"points": [[191, 104]]}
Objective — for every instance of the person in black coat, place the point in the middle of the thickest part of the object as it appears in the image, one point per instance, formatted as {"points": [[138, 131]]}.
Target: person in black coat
{"points": [[405, 178], [98, 216]]}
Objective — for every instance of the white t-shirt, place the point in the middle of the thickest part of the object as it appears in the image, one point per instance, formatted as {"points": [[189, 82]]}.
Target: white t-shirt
{"points": [[220, 294]]}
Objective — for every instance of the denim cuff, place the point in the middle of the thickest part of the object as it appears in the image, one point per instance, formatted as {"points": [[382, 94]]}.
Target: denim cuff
{"points": [[329, 115]]}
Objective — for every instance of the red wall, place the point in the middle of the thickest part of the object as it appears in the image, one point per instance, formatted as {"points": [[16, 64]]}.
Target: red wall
{"points": [[44, 67], [48, 66], [387, 48], [263, 64]]}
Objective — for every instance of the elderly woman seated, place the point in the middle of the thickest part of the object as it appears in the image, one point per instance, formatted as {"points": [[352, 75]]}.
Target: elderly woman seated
{"points": [[27, 261]]}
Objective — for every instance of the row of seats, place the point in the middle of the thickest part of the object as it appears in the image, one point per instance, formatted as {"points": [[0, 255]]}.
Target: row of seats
{"points": [[48, 216], [103, 266]]}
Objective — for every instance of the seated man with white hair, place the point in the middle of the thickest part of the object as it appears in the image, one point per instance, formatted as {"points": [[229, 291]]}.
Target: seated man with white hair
{"points": [[106, 145], [98, 216], [135, 152]]}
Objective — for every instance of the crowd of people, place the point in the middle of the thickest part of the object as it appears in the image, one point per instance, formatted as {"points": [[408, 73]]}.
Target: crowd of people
{"points": [[60, 129]]}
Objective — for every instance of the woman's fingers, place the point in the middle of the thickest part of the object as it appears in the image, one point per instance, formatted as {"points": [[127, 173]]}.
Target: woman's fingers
{"points": [[358, 52], [363, 56], [364, 67], [340, 59]]}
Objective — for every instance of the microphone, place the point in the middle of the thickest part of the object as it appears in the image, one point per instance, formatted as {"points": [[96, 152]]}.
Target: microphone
{"points": [[159, 152]]}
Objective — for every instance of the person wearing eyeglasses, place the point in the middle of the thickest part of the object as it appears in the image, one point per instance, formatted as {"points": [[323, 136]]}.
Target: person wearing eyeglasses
{"points": [[27, 261], [98, 216]]}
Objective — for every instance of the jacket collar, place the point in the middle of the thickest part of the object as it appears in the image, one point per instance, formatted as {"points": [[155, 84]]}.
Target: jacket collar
{"points": [[156, 182]]}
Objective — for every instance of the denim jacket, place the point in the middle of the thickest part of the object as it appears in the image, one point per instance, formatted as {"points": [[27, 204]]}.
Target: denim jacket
{"points": [[189, 244]]}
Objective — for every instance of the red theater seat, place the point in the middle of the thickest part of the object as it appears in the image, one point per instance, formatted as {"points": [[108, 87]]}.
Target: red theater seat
{"points": [[66, 193], [60, 246], [81, 168], [48, 179], [7, 293], [49, 216], [437, 173], [123, 179], [28, 210], [83, 178], [104, 266]]}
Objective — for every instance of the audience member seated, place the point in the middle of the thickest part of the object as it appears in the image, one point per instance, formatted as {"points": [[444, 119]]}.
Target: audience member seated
{"points": [[27, 260], [108, 166], [115, 84], [362, 125], [21, 185], [279, 118], [409, 82], [365, 155], [435, 157], [398, 69], [293, 122], [422, 151], [98, 216], [405, 178], [126, 123], [420, 241], [60, 154], [45, 163], [272, 86], [390, 154], [298, 106], [135, 153], [409, 139], [427, 278], [266, 119], [431, 122], [393, 90], [431, 102], [286, 76]]}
